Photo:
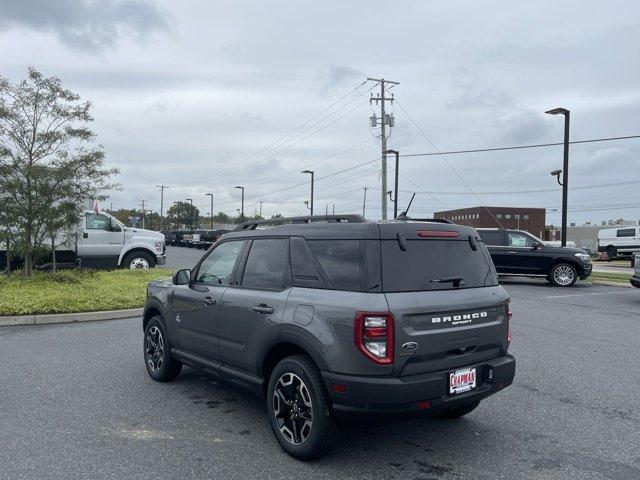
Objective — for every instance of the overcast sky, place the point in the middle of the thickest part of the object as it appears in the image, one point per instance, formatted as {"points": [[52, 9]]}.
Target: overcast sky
{"points": [[198, 95]]}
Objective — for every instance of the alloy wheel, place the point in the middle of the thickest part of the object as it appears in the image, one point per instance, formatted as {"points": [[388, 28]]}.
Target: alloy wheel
{"points": [[154, 349], [563, 275], [292, 408]]}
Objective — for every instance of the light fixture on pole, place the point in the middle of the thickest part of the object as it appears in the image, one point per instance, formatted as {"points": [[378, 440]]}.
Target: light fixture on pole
{"points": [[210, 211], [242, 204], [565, 170], [311, 173]]}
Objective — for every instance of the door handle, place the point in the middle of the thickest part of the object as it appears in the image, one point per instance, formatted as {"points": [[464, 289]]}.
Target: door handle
{"points": [[262, 308], [85, 235], [512, 253], [209, 301]]}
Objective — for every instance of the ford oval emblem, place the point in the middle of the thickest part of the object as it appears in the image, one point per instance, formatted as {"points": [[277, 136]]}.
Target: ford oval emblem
{"points": [[409, 346]]}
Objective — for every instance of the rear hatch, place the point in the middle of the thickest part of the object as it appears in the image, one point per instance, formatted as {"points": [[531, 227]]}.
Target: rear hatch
{"points": [[442, 289]]}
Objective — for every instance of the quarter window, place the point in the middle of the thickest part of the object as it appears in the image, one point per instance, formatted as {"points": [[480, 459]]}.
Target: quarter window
{"points": [[216, 269], [340, 260], [267, 264]]}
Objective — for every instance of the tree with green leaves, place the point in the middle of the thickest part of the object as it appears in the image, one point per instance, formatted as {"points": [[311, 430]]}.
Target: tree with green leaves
{"points": [[49, 166], [183, 213]]}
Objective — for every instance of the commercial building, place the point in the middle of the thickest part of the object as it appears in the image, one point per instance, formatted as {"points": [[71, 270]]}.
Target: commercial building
{"points": [[530, 219]]}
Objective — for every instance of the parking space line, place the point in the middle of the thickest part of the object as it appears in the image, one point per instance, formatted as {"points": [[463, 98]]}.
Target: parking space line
{"points": [[591, 294]]}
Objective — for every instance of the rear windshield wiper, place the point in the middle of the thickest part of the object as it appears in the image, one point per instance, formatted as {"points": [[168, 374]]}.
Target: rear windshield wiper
{"points": [[456, 281]]}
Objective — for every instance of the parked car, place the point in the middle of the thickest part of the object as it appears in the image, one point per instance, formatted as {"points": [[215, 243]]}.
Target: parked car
{"points": [[623, 241], [516, 252], [169, 236], [333, 316], [100, 241], [635, 280], [209, 237]]}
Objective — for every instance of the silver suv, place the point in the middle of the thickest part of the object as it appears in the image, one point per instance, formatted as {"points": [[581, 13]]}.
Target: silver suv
{"points": [[333, 316]]}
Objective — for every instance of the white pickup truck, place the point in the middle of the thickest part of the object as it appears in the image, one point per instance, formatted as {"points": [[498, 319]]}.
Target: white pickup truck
{"points": [[101, 241]]}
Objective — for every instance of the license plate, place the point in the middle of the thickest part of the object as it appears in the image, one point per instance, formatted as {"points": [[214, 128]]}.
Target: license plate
{"points": [[462, 381]]}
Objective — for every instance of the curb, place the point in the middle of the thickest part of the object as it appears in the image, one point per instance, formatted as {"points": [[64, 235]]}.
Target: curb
{"points": [[70, 317], [612, 284]]}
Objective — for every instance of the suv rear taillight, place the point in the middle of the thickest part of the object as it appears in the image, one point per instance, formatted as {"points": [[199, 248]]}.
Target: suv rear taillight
{"points": [[373, 335], [509, 316]]}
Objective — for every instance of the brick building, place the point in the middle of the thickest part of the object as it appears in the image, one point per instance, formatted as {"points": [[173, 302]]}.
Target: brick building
{"points": [[530, 219]]}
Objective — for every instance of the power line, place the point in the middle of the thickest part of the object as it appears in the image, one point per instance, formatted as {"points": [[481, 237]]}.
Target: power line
{"points": [[447, 162], [515, 147]]}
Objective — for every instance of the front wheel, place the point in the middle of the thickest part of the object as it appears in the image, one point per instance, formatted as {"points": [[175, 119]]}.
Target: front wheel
{"points": [[563, 275], [161, 366], [138, 261], [299, 409]]}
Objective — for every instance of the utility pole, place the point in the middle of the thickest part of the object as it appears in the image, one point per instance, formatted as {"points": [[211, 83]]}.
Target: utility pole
{"points": [[261, 208], [364, 200], [326, 209], [333, 211], [210, 211], [383, 122], [161, 187], [143, 212], [192, 217], [312, 174], [242, 204]]}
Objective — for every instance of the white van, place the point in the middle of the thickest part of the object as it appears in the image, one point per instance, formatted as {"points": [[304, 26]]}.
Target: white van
{"points": [[624, 241]]}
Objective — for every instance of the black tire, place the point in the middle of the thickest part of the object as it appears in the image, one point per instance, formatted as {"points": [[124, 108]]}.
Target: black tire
{"points": [[138, 260], [162, 367], [612, 252], [563, 275], [460, 411], [311, 405]]}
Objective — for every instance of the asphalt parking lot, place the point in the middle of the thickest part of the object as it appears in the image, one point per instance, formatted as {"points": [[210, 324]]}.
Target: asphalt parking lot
{"points": [[76, 402]]}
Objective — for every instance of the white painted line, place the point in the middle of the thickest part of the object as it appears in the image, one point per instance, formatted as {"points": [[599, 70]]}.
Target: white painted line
{"points": [[591, 294]]}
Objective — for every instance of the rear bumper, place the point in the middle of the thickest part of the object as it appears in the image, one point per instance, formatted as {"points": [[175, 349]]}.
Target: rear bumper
{"points": [[635, 281], [394, 395]]}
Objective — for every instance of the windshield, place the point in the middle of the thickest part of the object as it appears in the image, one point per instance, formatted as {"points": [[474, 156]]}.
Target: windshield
{"points": [[435, 265]]}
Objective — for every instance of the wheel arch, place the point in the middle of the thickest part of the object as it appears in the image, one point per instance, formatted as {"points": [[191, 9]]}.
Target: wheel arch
{"points": [[126, 253]]}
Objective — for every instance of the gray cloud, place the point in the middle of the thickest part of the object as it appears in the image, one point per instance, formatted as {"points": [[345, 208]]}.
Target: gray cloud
{"points": [[85, 25]]}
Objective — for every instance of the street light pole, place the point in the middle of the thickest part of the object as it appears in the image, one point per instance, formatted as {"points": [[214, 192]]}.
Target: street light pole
{"points": [[311, 173], [242, 204], [395, 191], [565, 170], [191, 215], [210, 211], [161, 187]]}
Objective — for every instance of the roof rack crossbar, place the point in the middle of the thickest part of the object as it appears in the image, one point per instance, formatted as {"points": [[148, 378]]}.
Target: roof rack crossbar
{"points": [[252, 225]]}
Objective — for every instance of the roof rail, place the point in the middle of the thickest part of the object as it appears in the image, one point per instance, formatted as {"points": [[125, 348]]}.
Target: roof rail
{"points": [[431, 220], [252, 225]]}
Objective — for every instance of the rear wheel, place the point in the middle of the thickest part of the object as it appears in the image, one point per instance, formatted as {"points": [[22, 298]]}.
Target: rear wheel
{"points": [[299, 409], [460, 411], [612, 252], [563, 275], [161, 366]]}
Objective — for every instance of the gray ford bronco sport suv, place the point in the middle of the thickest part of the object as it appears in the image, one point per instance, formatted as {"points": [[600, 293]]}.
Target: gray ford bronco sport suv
{"points": [[333, 315]]}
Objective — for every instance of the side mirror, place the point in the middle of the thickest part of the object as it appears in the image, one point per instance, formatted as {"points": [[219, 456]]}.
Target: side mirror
{"points": [[535, 245], [182, 277], [113, 227]]}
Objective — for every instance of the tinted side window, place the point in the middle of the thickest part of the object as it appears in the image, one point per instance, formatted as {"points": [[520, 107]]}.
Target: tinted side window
{"points": [[216, 269], [626, 232], [491, 237], [340, 260], [267, 264]]}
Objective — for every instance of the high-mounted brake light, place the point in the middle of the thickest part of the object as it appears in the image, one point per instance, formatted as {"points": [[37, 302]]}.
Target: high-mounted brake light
{"points": [[438, 233], [374, 336]]}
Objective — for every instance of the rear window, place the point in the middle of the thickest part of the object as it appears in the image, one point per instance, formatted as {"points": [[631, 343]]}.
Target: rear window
{"points": [[340, 260], [491, 237], [435, 265]]}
